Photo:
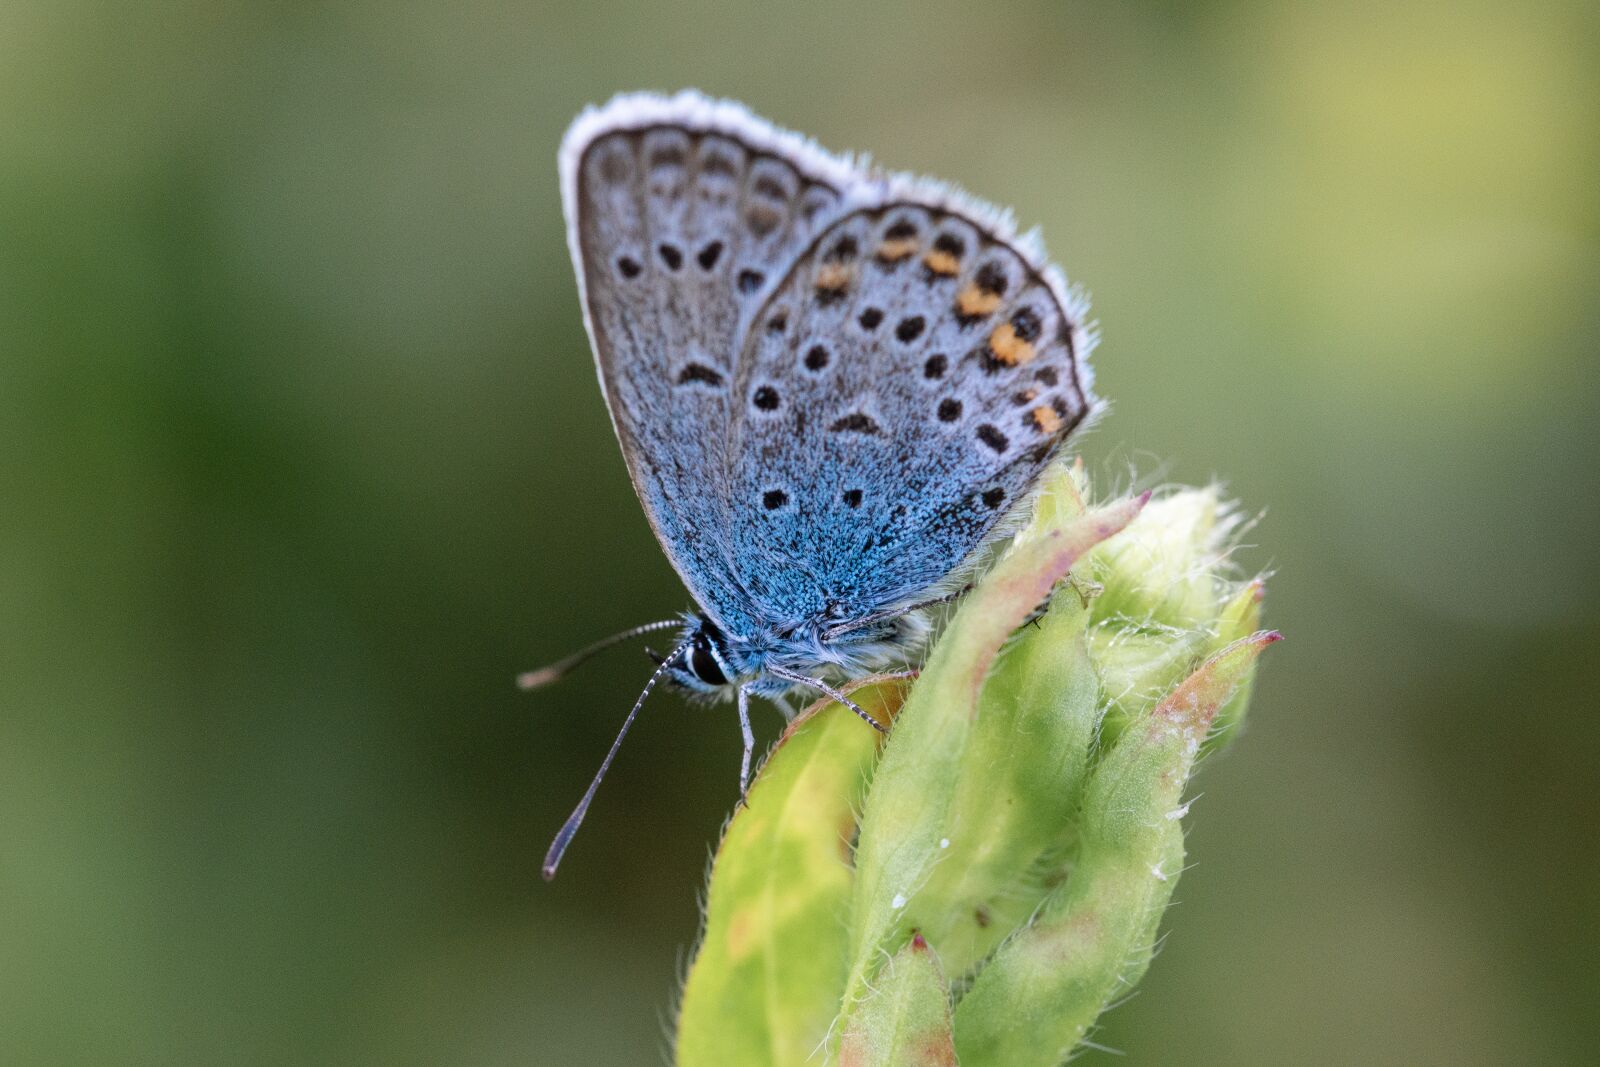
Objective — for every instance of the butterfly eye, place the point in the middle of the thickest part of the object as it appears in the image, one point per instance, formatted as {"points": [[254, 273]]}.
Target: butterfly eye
{"points": [[704, 664]]}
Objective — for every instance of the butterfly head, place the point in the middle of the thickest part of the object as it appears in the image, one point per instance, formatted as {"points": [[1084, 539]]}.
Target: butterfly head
{"points": [[707, 665]]}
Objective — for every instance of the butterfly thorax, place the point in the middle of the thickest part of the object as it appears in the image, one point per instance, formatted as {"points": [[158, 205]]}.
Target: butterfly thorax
{"points": [[717, 664]]}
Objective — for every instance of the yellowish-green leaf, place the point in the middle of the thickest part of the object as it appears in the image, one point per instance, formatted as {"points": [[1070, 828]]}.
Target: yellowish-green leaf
{"points": [[766, 981]]}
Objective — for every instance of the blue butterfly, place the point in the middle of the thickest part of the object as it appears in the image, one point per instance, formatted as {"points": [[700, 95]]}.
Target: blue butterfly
{"points": [[831, 386]]}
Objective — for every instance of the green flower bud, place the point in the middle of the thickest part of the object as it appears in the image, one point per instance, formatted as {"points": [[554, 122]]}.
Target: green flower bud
{"points": [[1019, 832], [1166, 594], [1163, 572], [905, 1021], [914, 814], [1038, 996]]}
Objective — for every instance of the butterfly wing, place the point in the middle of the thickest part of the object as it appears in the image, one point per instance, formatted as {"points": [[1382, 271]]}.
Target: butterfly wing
{"points": [[900, 389], [682, 214]]}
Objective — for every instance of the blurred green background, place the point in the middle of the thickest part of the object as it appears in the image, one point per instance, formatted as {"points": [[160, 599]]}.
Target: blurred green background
{"points": [[302, 458]]}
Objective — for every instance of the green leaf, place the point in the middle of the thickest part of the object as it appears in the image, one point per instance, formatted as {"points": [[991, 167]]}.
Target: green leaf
{"points": [[1240, 617], [765, 984], [905, 1021], [1020, 780], [1136, 666], [1039, 994], [1017, 788], [921, 773]]}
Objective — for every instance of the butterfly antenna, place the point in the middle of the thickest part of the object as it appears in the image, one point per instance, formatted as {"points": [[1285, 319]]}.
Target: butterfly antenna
{"points": [[559, 846], [562, 667]]}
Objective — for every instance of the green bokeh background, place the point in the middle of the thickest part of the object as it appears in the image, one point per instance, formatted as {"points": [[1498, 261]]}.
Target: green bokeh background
{"points": [[302, 458]]}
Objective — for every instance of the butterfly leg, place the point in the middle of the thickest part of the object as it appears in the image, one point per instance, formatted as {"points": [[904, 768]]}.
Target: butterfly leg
{"points": [[749, 742], [827, 690]]}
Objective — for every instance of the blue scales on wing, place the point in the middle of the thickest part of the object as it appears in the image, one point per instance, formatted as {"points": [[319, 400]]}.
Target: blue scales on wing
{"points": [[683, 214], [895, 396]]}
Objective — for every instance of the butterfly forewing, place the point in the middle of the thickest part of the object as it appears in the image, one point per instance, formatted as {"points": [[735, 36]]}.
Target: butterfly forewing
{"points": [[683, 214], [895, 395]]}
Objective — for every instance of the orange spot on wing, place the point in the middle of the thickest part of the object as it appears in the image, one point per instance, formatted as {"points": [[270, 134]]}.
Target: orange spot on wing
{"points": [[974, 302], [897, 248], [1008, 348], [834, 276], [1045, 417], [941, 262]]}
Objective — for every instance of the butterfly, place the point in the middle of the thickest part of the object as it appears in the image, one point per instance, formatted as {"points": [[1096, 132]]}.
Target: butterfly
{"points": [[831, 384]]}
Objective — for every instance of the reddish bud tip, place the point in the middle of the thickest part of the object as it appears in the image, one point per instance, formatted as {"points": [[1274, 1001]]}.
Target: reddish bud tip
{"points": [[918, 942]]}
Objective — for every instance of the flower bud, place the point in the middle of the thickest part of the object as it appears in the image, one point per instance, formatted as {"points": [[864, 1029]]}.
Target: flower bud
{"points": [[1020, 831]]}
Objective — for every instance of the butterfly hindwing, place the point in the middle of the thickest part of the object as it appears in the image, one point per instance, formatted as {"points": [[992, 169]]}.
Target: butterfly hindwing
{"points": [[897, 393], [682, 215]]}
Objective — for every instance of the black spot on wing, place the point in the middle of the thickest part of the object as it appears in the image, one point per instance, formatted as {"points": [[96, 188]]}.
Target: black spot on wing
{"points": [[991, 278], [909, 329], [855, 422], [765, 398], [699, 372], [992, 437]]}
